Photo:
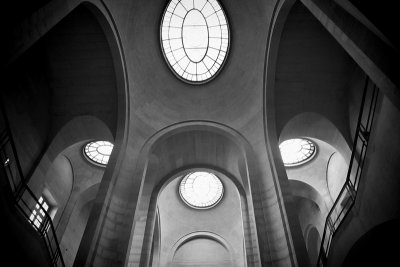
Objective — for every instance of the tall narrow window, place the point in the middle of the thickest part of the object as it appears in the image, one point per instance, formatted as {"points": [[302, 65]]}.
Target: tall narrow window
{"points": [[195, 39], [38, 212]]}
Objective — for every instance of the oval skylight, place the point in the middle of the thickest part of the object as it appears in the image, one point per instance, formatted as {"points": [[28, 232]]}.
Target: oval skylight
{"points": [[194, 38], [297, 151], [201, 190], [98, 152]]}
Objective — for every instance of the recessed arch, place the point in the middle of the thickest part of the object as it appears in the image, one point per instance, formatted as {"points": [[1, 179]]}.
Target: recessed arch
{"points": [[74, 229], [311, 211], [80, 129], [304, 190], [212, 129], [198, 236], [106, 20], [96, 12], [170, 207], [109, 122], [76, 89], [313, 244], [191, 133], [326, 173], [68, 143], [331, 140], [311, 207], [163, 183], [280, 106], [310, 124]]}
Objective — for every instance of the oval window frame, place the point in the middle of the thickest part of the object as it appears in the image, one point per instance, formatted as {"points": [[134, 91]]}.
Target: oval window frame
{"points": [[305, 160], [194, 206], [92, 160], [225, 59]]}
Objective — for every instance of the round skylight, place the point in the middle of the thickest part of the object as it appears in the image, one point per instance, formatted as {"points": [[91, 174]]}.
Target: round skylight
{"points": [[201, 190], [194, 38], [297, 151], [98, 152]]}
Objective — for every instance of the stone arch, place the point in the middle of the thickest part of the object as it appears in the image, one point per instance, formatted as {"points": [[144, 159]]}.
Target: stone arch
{"points": [[323, 131], [225, 133], [310, 124], [89, 243], [187, 133], [74, 129], [279, 17], [68, 144], [55, 172], [311, 208], [233, 200], [199, 235], [311, 212], [106, 20], [80, 129], [273, 122], [281, 11], [69, 242], [64, 67], [304, 190], [313, 244]]}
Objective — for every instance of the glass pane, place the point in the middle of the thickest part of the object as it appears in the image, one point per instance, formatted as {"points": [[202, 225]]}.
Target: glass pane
{"points": [[297, 151], [188, 30], [98, 152], [38, 213], [201, 189]]}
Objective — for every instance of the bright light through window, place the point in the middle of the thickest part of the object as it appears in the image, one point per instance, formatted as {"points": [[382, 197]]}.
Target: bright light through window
{"points": [[297, 151], [38, 214], [195, 38], [201, 190], [98, 152]]}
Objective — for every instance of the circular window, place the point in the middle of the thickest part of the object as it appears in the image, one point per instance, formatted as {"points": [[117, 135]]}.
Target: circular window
{"points": [[297, 151], [201, 190], [98, 152], [194, 38]]}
